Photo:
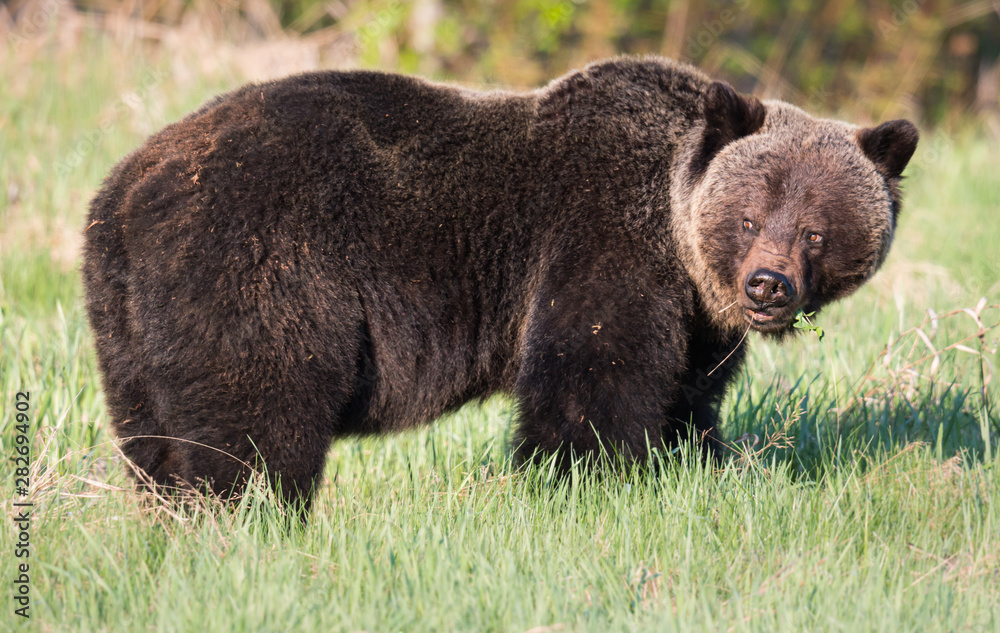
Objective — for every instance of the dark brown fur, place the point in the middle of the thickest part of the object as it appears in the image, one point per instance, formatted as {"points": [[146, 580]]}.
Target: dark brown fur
{"points": [[343, 253]]}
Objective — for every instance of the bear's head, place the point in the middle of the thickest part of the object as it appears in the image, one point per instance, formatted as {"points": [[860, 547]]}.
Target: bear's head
{"points": [[775, 211]]}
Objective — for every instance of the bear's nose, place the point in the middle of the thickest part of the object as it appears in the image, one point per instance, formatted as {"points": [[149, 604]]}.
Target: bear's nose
{"points": [[769, 287]]}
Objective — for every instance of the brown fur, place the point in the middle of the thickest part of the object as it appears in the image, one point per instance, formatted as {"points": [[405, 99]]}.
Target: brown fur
{"points": [[796, 174], [345, 253]]}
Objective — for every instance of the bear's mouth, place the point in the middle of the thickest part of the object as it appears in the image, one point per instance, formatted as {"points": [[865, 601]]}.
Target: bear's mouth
{"points": [[768, 319]]}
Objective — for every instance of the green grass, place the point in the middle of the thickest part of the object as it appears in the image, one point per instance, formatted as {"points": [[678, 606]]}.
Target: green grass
{"points": [[853, 513]]}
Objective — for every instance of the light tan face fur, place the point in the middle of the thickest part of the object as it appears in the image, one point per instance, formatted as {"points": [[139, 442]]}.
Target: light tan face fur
{"points": [[797, 204]]}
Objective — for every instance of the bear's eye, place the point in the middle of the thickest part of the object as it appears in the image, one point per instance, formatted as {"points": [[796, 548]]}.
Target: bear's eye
{"points": [[748, 225], [815, 238]]}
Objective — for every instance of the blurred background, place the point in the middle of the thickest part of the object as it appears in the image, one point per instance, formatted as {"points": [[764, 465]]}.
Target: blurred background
{"points": [[936, 61]]}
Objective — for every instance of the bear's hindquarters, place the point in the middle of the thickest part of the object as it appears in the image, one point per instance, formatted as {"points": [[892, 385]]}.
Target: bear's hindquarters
{"points": [[211, 373], [270, 395]]}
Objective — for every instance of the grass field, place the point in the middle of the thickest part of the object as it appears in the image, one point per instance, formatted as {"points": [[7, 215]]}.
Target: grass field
{"points": [[871, 502]]}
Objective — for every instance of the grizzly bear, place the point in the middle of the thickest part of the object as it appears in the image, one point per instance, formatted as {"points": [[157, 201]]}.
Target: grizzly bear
{"points": [[343, 253]]}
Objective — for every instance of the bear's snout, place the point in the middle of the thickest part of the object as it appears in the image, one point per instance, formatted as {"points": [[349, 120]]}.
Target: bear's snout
{"points": [[769, 288]]}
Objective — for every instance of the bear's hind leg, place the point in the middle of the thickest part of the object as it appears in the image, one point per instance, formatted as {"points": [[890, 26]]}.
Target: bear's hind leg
{"points": [[218, 437]]}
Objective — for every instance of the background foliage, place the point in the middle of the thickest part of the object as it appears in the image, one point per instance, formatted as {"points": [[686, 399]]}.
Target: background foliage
{"points": [[931, 60]]}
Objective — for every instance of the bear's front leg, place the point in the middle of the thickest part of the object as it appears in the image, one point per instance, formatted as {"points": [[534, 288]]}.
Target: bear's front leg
{"points": [[713, 361], [600, 367]]}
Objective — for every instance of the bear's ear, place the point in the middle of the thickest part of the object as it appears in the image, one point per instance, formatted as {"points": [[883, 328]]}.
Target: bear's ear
{"points": [[728, 116], [889, 145]]}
